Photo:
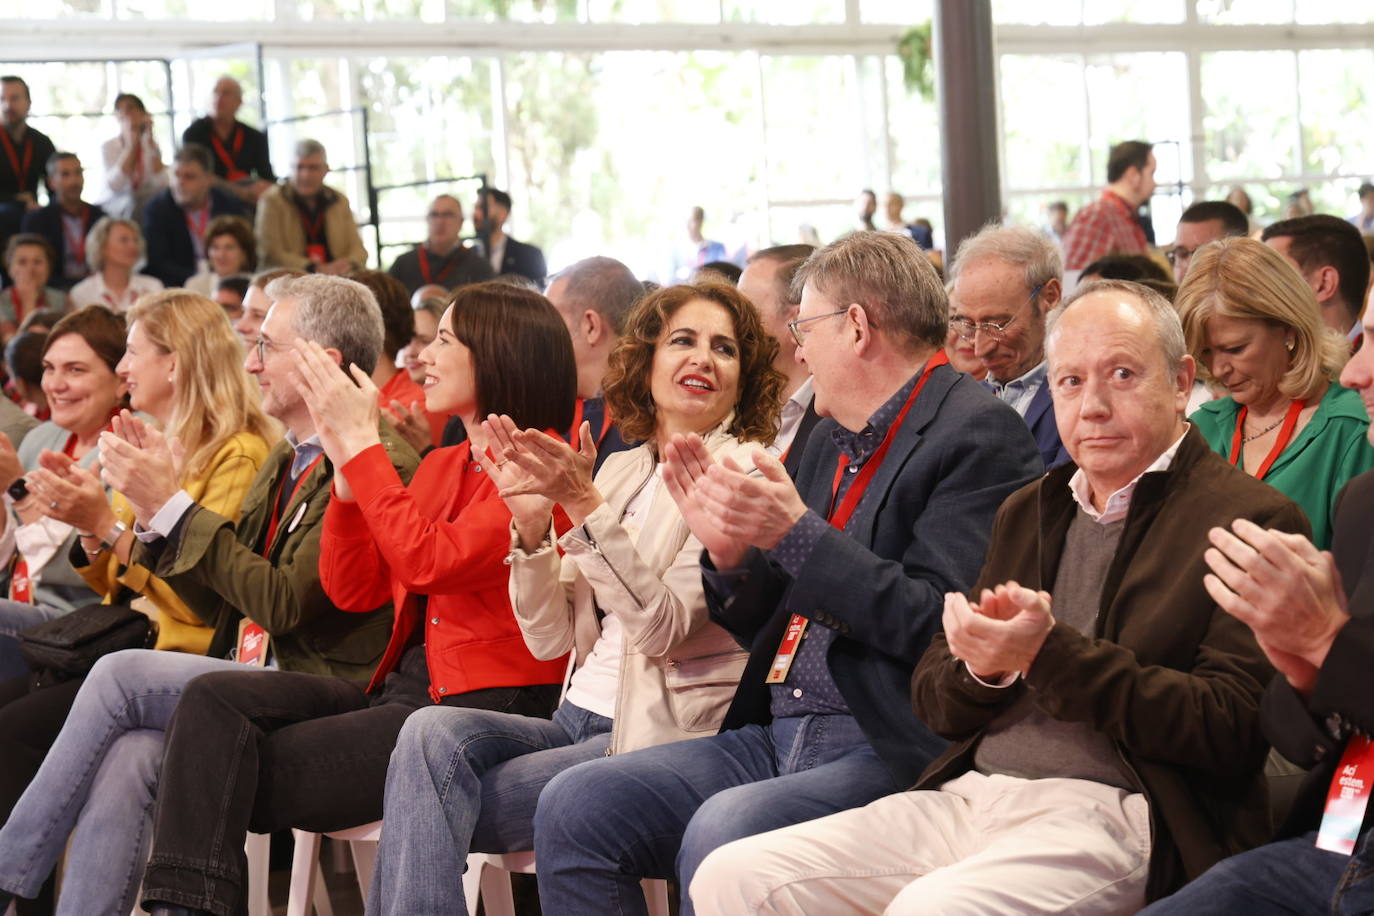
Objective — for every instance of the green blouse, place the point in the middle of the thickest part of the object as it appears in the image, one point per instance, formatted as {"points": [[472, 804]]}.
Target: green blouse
{"points": [[1331, 449]]}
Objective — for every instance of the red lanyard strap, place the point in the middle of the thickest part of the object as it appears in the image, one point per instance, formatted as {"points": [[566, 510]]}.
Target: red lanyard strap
{"points": [[77, 244], [231, 166], [577, 423], [12, 155], [313, 226], [1290, 422], [840, 514], [277, 506], [443, 272]]}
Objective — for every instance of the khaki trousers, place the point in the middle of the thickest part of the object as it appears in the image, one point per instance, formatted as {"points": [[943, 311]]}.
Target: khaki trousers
{"points": [[979, 844]]}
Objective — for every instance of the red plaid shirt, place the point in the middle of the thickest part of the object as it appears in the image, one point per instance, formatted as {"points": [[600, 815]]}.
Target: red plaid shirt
{"points": [[1106, 226]]}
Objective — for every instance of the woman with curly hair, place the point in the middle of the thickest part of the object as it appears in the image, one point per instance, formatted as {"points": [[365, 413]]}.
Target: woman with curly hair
{"points": [[621, 589]]}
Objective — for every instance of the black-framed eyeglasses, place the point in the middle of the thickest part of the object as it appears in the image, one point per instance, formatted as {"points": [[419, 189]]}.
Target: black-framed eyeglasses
{"points": [[1179, 253], [263, 345], [800, 336], [969, 330]]}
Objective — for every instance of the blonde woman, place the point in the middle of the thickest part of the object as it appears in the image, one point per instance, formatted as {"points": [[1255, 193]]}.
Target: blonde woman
{"points": [[181, 366], [115, 250], [1255, 328]]}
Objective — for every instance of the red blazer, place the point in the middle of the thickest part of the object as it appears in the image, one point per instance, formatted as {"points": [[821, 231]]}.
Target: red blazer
{"points": [[446, 536]]}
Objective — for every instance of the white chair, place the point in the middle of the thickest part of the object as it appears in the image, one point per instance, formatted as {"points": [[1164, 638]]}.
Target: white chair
{"points": [[258, 849], [307, 881], [488, 879]]}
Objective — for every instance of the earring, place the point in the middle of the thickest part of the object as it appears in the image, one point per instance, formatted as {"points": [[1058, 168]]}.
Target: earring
{"points": [[1289, 344]]}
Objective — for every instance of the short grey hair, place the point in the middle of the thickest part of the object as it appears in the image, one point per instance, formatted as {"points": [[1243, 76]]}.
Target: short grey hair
{"points": [[1028, 249], [890, 277], [335, 313], [100, 232], [1168, 328], [604, 285], [308, 147]]}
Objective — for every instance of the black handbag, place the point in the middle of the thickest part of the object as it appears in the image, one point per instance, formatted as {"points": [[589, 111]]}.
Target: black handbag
{"points": [[68, 647]]}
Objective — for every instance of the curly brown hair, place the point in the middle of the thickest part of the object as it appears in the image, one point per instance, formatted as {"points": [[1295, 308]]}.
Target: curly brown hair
{"points": [[759, 407]]}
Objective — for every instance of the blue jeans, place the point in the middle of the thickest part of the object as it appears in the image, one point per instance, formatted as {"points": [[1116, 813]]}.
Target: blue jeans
{"points": [[602, 826], [467, 780], [15, 618], [1288, 877], [99, 780]]}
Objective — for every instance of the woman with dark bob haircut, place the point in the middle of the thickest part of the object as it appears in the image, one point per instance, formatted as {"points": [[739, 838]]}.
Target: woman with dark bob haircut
{"points": [[316, 748], [621, 589]]}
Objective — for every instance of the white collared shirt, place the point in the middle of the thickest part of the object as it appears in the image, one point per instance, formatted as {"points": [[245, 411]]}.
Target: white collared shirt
{"points": [[792, 412], [1119, 503], [1019, 392]]}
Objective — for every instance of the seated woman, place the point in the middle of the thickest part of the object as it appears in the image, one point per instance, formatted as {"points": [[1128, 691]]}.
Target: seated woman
{"points": [[82, 392], [622, 589], [230, 249], [29, 260], [266, 750], [1254, 326], [115, 250], [181, 367]]}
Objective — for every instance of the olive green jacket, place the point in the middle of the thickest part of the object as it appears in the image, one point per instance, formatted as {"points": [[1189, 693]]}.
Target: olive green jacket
{"points": [[219, 571]]}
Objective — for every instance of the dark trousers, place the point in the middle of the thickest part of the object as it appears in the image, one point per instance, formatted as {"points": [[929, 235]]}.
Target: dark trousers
{"points": [[30, 719], [265, 751]]}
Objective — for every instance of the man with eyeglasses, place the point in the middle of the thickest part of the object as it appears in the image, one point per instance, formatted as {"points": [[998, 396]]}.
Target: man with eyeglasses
{"points": [[1004, 281], [835, 583], [443, 259], [1203, 222]]}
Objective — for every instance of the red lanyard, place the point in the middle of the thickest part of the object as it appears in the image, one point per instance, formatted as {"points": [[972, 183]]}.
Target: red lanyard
{"points": [[231, 166], [197, 222], [313, 226], [275, 519], [1290, 421], [14, 296], [839, 515], [77, 245], [577, 423], [13, 155], [424, 266]]}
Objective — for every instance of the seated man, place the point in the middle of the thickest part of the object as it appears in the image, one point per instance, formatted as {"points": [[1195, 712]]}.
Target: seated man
{"points": [[834, 585], [257, 583], [243, 163], [442, 260], [26, 153], [768, 282], [174, 222], [1005, 280], [1330, 255], [1203, 222], [65, 221], [1317, 711], [306, 226], [1103, 708]]}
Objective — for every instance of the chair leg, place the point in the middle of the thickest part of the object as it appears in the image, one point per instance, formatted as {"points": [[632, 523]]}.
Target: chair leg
{"points": [[472, 880], [304, 873], [258, 849], [364, 863], [656, 896], [497, 898], [323, 905]]}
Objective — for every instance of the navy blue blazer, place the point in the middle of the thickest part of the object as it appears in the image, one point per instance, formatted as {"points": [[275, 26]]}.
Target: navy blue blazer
{"points": [[171, 254], [525, 260], [921, 530], [1045, 429], [47, 222]]}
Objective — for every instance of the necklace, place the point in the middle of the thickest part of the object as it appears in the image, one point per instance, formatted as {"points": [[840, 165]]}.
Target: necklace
{"points": [[1271, 426]]}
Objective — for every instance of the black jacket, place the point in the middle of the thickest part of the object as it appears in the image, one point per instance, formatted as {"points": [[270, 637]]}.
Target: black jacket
{"points": [[47, 222], [171, 254]]}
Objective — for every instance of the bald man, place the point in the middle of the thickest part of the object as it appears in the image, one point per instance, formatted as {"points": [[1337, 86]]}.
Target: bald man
{"points": [[242, 162]]}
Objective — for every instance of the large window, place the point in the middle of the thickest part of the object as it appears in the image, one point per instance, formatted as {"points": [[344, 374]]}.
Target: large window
{"points": [[608, 119]]}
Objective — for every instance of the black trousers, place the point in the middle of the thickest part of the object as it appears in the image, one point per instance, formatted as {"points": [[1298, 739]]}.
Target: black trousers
{"points": [[266, 751], [30, 719]]}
